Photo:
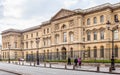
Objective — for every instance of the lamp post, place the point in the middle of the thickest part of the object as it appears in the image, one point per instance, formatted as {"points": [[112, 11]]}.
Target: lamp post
{"points": [[9, 53], [37, 45], [112, 29]]}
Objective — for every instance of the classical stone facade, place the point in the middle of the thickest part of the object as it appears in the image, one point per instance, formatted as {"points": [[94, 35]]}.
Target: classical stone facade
{"points": [[69, 33]]}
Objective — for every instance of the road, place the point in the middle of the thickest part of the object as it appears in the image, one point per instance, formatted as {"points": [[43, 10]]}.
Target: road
{"points": [[28, 70]]}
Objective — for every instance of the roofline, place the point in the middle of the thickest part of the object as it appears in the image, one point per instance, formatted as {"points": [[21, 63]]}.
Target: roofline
{"points": [[76, 11]]}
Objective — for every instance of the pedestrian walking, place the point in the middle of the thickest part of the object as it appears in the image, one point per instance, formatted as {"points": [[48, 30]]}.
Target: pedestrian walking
{"points": [[75, 61], [79, 61], [69, 61]]}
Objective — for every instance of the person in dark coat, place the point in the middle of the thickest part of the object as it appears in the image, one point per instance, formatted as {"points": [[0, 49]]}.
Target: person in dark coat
{"points": [[75, 61], [69, 61]]}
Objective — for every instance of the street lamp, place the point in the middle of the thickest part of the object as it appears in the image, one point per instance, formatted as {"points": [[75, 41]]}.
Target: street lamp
{"points": [[9, 53], [37, 45], [112, 29]]}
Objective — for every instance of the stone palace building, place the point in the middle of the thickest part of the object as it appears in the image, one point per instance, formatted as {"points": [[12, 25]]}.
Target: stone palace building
{"points": [[69, 33]]}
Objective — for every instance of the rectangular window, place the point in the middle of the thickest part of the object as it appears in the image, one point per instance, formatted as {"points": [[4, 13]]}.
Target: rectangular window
{"points": [[115, 18], [26, 36], [64, 37], [36, 33], [95, 35], [102, 35], [15, 44], [116, 35], [47, 30]]}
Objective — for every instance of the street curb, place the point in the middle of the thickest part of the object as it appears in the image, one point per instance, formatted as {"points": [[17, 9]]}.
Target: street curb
{"points": [[74, 70], [11, 72]]}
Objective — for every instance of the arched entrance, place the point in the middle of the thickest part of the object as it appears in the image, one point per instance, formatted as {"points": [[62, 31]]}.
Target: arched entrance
{"points": [[63, 53]]}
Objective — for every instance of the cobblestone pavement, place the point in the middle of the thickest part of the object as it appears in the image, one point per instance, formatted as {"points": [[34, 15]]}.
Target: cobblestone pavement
{"points": [[28, 70], [5, 73]]}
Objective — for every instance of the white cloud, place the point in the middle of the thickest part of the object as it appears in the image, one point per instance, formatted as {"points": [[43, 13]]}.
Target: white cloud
{"points": [[13, 8], [69, 3]]}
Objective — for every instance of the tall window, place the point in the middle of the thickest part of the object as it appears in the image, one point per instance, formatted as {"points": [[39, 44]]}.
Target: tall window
{"points": [[116, 51], [88, 36], [31, 44], [102, 19], [71, 37], [36, 33], [26, 36], [88, 21], [47, 30], [64, 37], [101, 35], [95, 35], [15, 44], [26, 44], [116, 35], [49, 42], [94, 20], [95, 51], [44, 31], [102, 51], [115, 17], [56, 39]]}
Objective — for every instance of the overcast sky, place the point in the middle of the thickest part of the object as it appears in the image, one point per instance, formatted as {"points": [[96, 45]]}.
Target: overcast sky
{"points": [[21, 14]]}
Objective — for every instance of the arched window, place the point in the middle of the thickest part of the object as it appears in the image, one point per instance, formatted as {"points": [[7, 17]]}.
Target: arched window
{"points": [[71, 37], [94, 20], [95, 51], [95, 35], [88, 21], [88, 36], [116, 51], [101, 18], [71, 52], [102, 51], [102, 35], [88, 51]]}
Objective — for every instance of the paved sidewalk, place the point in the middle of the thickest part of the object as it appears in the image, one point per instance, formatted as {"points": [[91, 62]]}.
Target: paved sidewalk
{"points": [[82, 68], [30, 70]]}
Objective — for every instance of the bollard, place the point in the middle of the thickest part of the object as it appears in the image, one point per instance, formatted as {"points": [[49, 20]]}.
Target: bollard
{"points": [[19, 62], [30, 63], [50, 65], [34, 63], [44, 64], [98, 68], [65, 66], [22, 62], [73, 67], [110, 69]]}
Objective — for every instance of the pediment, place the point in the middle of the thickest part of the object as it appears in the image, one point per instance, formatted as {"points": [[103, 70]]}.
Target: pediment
{"points": [[62, 13]]}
